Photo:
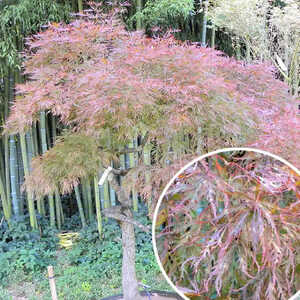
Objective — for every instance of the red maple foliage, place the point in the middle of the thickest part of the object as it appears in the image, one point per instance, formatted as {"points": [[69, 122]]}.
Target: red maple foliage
{"points": [[95, 76], [231, 225], [107, 86]]}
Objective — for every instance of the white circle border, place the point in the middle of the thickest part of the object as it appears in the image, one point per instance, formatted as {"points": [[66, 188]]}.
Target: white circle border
{"points": [[182, 170]]}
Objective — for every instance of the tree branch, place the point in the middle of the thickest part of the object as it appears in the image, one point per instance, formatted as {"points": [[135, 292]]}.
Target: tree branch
{"points": [[136, 149], [115, 212]]}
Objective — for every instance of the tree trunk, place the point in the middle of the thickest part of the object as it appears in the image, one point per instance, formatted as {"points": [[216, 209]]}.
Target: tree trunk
{"points": [[129, 280]]}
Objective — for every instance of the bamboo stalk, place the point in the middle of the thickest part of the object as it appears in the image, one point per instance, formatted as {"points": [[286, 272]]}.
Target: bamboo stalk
{"points": [[248, 57], [139, 7], [213, 36], [89, 199], [4, 199], [6, 142], [51, 210], [44, 149], [112, 195], [57, 207], [13, 176], [7, 169], [30, 200], [61, 212], [132, 164], [147, 162], [79, 204], [53, 129], [29, 145], [2, 165], [35, 139], [48, 134], [20, 177], [204, 28], [104, 195], [85, 200], [80, 6], [20, 167], [98, 206]]}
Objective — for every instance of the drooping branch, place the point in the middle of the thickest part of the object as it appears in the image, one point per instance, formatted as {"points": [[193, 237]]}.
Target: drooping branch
{"points": [[115, 212], [122, 197], [120, 172], [136, 149]]}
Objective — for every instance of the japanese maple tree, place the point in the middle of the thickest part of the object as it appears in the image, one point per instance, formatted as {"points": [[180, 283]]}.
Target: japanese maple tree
{"points": [[108, 86], [230, 225]]}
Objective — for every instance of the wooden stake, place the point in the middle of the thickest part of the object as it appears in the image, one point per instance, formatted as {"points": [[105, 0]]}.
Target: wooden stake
{"points": [[52, 283]]}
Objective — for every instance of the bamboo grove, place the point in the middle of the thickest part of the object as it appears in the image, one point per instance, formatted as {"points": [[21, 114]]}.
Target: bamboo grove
{"points": [[20, 19]]}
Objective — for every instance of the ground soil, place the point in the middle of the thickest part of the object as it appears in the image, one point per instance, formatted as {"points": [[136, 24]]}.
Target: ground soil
{"points": [[156, 297]]}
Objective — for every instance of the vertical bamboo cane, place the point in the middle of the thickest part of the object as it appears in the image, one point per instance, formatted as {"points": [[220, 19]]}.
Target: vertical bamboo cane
{"points": [[44, 149], [30, 200], [112, 195], [106, 200], [20, 167], [4, 199], [139, 7], [57, 208], [147, 162], [13, 176], [2, 165], [248, 56], [20, 177], [132, 164], [6, 181], [48, 134], [35, 139], [80, 6], [80, 208], [85, 200], [213, 36], [98, 206], [59, 212], [7, 170], [204, 28], [89, 197]]}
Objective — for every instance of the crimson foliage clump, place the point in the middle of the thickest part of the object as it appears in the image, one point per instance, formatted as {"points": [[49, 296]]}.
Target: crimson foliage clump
{"points": [[231, 225]]}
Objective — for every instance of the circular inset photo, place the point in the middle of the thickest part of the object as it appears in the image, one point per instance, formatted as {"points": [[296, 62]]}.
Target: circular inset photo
{"points": [[227, 226]]}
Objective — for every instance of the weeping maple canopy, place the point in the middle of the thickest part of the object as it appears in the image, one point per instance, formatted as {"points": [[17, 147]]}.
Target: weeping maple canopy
{"points": [[108, 85]]}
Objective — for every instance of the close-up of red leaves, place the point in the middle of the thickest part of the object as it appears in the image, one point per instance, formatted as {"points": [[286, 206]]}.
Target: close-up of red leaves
{"points": [[230, 226]]}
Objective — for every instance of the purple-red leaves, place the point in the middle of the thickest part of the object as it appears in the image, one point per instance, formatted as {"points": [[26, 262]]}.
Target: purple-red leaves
{"points": [[231, 226], [94, 76]]}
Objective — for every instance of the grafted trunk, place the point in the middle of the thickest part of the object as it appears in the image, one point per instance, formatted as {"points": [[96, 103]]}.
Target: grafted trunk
{"points": [[129, 280]]}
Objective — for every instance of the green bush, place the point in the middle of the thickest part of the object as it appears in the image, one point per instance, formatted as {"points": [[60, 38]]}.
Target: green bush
{"points": [[91, 269], [25, 250]]}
